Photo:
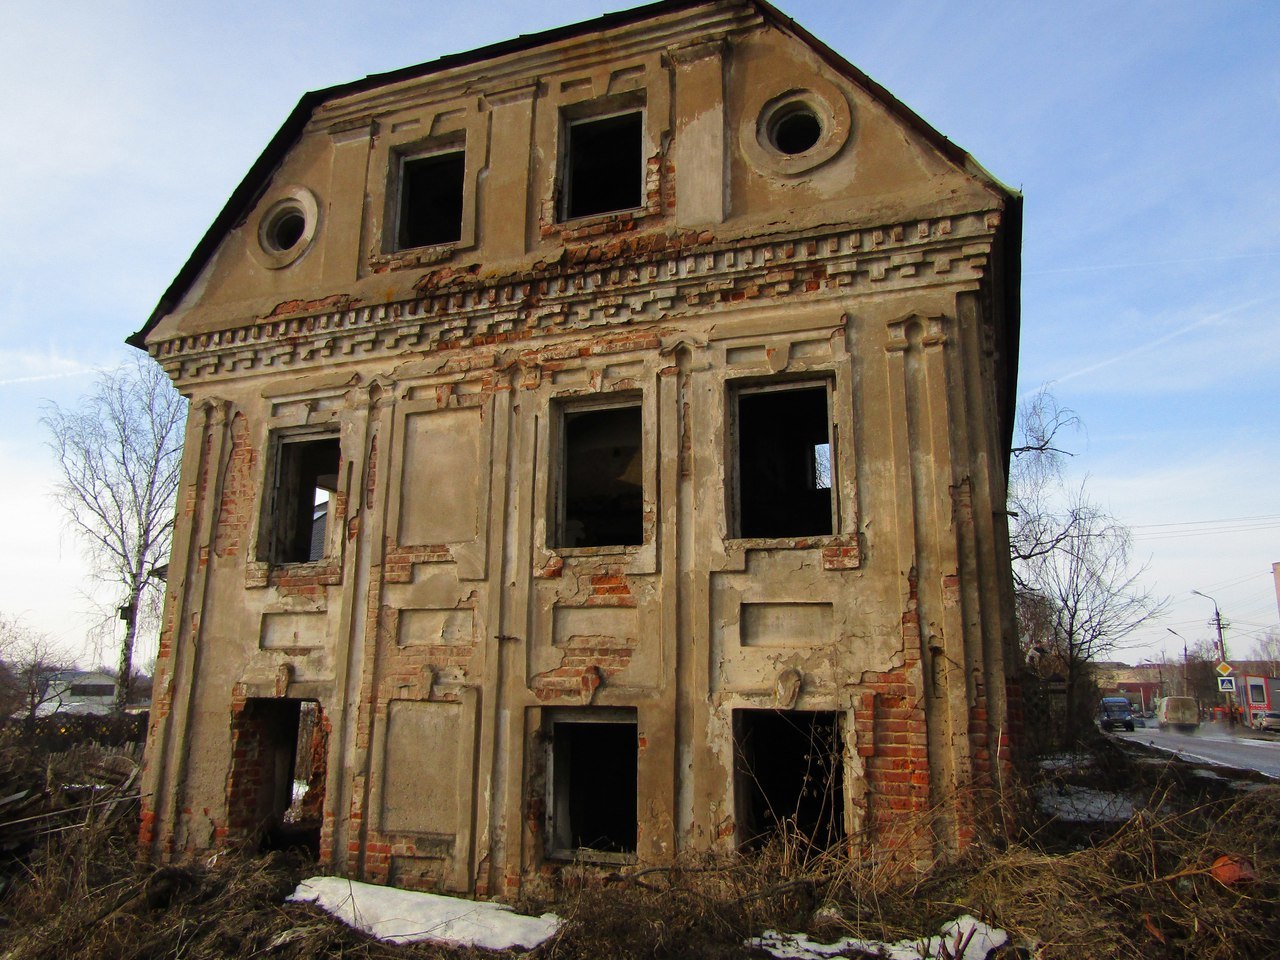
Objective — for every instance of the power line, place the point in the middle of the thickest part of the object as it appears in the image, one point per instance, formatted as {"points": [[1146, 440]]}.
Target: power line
{"points": [[1225, 584], [1206, 531], [1190, 523]]}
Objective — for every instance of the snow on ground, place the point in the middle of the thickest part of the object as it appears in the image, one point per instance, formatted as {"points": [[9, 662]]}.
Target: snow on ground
{"points": [[402, 916], [1082, 804], [1066, 761], [965, 933]]}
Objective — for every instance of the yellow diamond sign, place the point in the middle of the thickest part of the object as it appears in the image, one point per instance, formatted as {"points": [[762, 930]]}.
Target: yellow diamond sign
{"points": [[1224, 669]]}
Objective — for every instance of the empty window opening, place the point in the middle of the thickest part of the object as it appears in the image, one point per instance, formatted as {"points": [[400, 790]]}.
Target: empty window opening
{"points": [[603, 482], [785, 472], [604, 170], [431, 199], [795, 130], [593, 787], [277, 783], [306, 478], [1257, 693], [92, 690], [285, 229], [789, 777]]}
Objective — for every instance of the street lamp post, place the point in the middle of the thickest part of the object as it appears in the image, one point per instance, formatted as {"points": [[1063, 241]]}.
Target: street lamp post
{"points": [[1222, 650], [1185, 662]]}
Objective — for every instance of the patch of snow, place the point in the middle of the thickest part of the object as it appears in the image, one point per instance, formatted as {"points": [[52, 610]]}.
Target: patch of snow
{"points": [[965, 938], [1082, 804], [403, 916], [1066, 761]]}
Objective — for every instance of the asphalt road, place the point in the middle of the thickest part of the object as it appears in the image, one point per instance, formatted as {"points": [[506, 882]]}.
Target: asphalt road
{"points": [[1214, 743]]}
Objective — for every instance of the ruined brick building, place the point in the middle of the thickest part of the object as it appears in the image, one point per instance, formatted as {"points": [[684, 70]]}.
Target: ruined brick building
{"points": [[597, 448]]}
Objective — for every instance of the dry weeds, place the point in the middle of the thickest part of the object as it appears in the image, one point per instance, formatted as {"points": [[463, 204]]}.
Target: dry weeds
{"points": [[1146, 887]]}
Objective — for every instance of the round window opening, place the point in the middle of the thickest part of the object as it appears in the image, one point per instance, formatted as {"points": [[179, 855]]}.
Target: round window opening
{"points": [[286, 228], [795, 130]]}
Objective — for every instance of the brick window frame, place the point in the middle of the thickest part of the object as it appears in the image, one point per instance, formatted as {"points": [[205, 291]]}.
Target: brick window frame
{"points": [[756, 392], [642, 84], [294, 471], [566, 414], [420, 132]]}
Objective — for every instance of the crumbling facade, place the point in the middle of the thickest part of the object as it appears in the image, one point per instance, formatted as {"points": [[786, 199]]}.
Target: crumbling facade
{"points": [[597, 451]]}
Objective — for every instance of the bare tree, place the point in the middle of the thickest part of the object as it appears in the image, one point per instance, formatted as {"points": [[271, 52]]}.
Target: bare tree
{"points": [[1041, 519], [1090, 591], [30, 665], [120, 451], [1266, 649]]}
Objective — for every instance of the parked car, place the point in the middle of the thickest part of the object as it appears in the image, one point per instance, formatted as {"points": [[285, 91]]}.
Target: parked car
{"points": [[1267, 721], [1138, 721], [1115, 712]]}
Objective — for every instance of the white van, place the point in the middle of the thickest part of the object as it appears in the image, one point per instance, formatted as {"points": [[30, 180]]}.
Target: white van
{"points": [[1180, 713]]}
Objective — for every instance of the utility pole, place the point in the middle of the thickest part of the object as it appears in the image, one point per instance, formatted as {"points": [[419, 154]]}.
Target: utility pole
{"points": [[1222, 651]]}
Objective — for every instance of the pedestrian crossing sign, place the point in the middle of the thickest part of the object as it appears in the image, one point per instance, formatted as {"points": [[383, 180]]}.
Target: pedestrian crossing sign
{"points": [[1226, 684]]}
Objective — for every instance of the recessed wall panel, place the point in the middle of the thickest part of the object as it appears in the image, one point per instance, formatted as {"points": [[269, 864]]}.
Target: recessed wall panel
{"points": [[441, 482], [421, 767], [785, 624], [419, 627]]}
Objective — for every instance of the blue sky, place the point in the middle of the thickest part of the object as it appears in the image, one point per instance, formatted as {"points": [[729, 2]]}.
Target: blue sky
{"points": [[1144, 135]]}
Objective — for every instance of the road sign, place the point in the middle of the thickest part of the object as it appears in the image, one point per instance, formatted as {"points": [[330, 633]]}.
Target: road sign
{"points": [[1224, 669], [1226, 684]]}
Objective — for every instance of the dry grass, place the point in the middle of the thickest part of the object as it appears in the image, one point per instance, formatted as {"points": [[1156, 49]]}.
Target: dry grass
{"points": [[1141, 888]]}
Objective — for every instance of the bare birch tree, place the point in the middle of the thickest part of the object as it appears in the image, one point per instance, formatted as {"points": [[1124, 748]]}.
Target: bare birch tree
{"points": [[1041, 519], [1266, 649], [1091, 590], [119, 451], [1078, 589]]}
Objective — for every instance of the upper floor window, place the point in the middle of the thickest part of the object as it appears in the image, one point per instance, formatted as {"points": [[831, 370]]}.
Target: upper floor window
{"points": [[784, 465], [299, 503], [430, 199], [603, 164], [601, 494]]}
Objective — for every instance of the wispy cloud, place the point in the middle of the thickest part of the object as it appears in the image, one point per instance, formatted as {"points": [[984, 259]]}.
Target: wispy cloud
{"points": [[26, 366], [1173, 261], [1147, 346]]}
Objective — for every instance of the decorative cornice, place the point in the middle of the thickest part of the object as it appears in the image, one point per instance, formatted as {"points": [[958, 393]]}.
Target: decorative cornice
{"points": [[613, 283]]}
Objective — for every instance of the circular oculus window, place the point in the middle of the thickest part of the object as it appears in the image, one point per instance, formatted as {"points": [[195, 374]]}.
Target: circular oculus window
{"points": [[286, 228], [798, 130]]}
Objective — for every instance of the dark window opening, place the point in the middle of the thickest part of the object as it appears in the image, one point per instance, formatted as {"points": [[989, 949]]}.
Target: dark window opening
{"points": [[92, 690], [286, 229], [276, 796], [431, 199], [785, 472], [789, 777], [593, 788], [1257, 693], [306, 477], [795, 131], [602, 471], [604, 165]]}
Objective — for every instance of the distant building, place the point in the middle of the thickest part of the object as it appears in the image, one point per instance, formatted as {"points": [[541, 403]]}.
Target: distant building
{"points": [[78, 692]]}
